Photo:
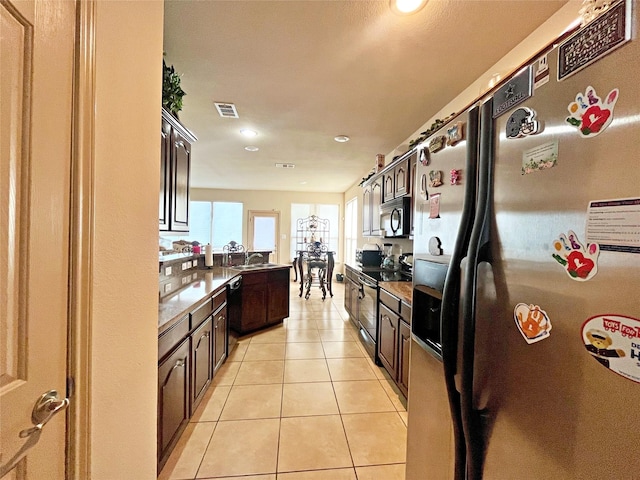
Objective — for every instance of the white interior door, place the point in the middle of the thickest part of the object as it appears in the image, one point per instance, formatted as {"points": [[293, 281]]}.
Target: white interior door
{"points": [[263, 232], [36, 73]]}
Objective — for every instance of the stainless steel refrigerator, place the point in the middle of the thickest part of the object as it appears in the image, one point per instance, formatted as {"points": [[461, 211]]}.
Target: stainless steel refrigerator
{"points": [[525, 354]]}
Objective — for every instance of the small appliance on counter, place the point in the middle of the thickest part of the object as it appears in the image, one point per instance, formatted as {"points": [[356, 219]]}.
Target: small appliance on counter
{"points": [[391, 257], [369, 257]]}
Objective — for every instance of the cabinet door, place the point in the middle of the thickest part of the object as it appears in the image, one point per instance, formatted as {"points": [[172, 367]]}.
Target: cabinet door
{"points": [[388, 188], [202, 364], [348, 296], [376, 200], [165, 175], [180, 187], [401, 174], [388, 339], [173, 399], [413, 162], [366, 211], [219, 338], [278, 296], [403, 357], [254, 306]]}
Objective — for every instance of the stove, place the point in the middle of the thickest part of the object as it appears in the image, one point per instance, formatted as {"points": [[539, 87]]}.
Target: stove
{"points": [[379, 275]]}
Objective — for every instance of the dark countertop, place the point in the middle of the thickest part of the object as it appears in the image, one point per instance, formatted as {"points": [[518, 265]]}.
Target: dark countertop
{"points": [[402, 290], [175, 306]]}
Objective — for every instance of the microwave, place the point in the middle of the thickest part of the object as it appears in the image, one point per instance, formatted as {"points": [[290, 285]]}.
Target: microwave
{"points": [[395, 217]]}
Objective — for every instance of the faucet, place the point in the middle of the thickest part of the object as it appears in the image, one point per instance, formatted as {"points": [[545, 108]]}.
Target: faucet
{"points": [[248, 258]]}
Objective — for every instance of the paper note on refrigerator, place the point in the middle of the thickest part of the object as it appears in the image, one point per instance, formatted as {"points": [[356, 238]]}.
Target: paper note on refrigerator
{"points": [[614, 224]]}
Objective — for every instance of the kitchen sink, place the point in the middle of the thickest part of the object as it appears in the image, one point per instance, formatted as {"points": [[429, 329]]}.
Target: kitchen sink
{"points": [[255, 266]]}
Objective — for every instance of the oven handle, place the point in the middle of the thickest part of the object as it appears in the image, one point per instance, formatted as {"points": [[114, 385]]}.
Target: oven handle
{"points": [[367, 284]]}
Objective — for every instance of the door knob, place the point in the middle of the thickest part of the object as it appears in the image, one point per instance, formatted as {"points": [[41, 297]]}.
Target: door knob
{"points": [[45, 408]]}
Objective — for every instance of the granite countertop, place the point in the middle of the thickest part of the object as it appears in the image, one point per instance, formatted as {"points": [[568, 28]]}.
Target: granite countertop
{"points": [[402, 290], [175, 306], [180, 303]]}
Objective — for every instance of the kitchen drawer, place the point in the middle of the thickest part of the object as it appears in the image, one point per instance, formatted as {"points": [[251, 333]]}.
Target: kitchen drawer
{"points": [[219, 298], [390, 301], [170, 338], [202, 312], [405, 312]]}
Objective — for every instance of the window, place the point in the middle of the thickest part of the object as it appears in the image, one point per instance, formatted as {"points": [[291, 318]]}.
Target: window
{"points": [[351, 230], [216, 223], [330, 212]]}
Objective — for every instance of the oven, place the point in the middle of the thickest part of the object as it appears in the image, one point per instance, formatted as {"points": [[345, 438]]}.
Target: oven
{"points": [[368, 312]]}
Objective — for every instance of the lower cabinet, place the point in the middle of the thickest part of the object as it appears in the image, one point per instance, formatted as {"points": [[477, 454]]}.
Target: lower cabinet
{"points": [[394, 338], [219, 338], [351, 292], [173, 398], [403, 357], [201, 362], [388, 326], [263, 300], [189, 354]]}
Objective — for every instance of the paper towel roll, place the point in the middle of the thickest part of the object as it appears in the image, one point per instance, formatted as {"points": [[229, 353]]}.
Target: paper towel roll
{"points": [[208, 256]]}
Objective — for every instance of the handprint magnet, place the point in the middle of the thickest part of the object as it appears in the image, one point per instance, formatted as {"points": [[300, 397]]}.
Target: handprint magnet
{"points": [[579, 262], [589, 114], [532, 322]]}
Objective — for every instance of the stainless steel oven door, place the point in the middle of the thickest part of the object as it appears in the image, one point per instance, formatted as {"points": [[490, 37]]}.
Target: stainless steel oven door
{"points": [[368, 317]]}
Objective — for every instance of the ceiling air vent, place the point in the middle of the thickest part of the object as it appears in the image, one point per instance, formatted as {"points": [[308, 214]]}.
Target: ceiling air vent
{"points": [[285, 165], [226, 110]]}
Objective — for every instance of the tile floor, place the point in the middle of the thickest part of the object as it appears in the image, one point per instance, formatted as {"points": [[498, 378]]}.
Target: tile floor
{"points": [[299, 401]]}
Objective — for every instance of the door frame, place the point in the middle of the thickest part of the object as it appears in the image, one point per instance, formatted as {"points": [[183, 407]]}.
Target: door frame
{"points": [[250, 231], [81, 236]]}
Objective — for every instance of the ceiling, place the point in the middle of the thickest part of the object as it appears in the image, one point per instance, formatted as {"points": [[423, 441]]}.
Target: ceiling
{"points": [[301, 72]]}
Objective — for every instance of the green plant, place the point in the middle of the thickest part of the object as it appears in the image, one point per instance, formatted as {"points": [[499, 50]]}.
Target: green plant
{"points": [[171, 92]]}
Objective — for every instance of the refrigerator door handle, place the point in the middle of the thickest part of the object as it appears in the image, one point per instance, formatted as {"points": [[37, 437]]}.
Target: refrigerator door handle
{"points": [[449, 318], [478, 248]]}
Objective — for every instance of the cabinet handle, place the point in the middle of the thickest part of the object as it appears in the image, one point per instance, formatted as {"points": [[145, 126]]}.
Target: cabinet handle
{"points": [[180, 363], [180, 144]]}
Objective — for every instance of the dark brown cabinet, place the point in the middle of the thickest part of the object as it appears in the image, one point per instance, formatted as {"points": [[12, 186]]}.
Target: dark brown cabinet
{"points": [[189, 353], [173, 398], [175, 166], [263, 300], [278, 295], [403, 357], [219, 338], [394, 329], [371, 200], [202, 362], [351, 294], [388, 339], [397, 179]]}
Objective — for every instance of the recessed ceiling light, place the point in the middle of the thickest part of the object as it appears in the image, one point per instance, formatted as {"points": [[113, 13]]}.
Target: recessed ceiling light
{"points": [[303, 183], [247, 132], [341, 138], [251, 148], [406, 7]]}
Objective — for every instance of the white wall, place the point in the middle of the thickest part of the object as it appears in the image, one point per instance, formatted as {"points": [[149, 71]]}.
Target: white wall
{"points": [[270, 200], [125, 260]]}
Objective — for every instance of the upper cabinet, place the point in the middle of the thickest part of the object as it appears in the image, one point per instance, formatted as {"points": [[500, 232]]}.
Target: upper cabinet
{"points": [[397, 177], [175, 167], [394, 181], [371, 200]]}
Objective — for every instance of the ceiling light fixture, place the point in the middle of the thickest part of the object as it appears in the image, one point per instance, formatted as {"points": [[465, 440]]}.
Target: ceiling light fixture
{"points": [[251, 148], [247, 132], [341, 138], [406, 7]]}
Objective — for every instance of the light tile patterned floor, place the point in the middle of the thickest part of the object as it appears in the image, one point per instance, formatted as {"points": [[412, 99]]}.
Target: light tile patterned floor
{"points": [[299, 401]]}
